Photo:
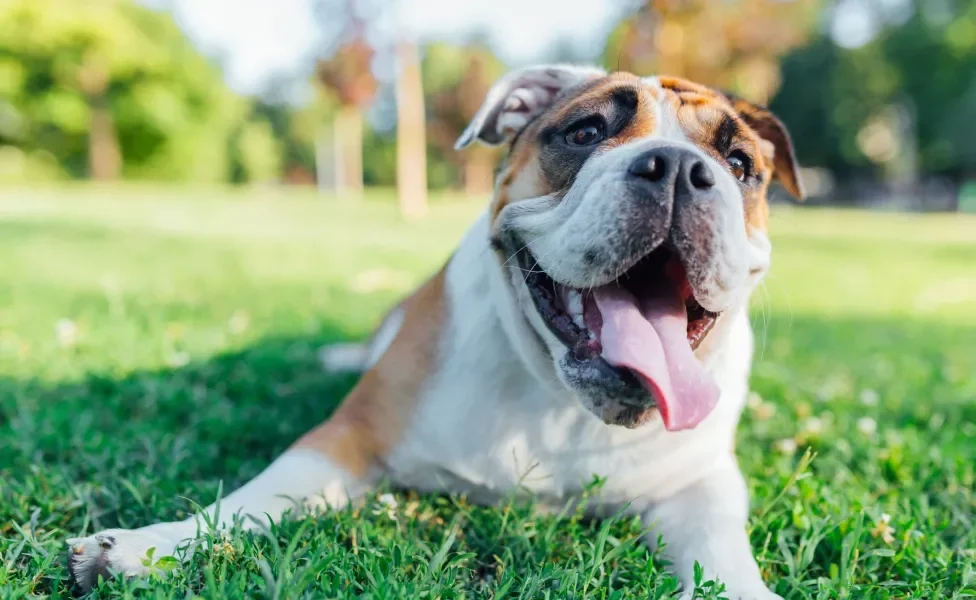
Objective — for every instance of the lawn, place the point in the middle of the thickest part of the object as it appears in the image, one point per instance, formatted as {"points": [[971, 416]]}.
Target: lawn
{"points": [[155, 343]]}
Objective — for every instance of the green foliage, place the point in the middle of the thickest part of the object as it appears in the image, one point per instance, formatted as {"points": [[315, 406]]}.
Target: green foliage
{"points": [[172, 112], [445, 65], [141, 365], [928, 63], [379, 160], [17, 166], [260, 152]]}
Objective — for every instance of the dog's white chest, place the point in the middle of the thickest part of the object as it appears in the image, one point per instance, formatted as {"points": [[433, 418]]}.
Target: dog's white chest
{"points": [[498, 431]]}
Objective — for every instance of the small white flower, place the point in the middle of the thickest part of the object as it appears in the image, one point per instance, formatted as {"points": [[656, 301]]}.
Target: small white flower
{"points": [[238, 322], [225, 549], [178, 359], [869, 397], [803, 410], [867, 425], [830, 390], [66, 332], [842, 445], [765, 411], [813, 425], [785, 446], [883, 529], [894, 438], [386, 505]]}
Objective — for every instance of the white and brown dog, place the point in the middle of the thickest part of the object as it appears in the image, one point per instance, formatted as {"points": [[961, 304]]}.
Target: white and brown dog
{"points": [[592, 322]]}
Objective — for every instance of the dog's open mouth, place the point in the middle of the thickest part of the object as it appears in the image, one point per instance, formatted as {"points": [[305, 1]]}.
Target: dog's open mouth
{"points": [[647, 324]]}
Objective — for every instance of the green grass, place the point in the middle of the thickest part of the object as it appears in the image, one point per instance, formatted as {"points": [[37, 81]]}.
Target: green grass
{"points": [[155, 343]]}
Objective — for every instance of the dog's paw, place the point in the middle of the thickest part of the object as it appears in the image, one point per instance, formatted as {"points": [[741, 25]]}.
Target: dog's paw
{"points": [[123, 551]]}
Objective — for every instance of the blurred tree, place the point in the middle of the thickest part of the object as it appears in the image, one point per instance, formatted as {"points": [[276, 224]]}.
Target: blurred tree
{"points": [[840, 102], [411, 141], [457, 79], [733, 45], [296, 128], [109, 87], [259, 151], [348, 75]]}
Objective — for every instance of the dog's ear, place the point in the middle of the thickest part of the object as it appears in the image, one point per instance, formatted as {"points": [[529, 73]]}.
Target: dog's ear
{"points": [[785, 168], [518, 97]]}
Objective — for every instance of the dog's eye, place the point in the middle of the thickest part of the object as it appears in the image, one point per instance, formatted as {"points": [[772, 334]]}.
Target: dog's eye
{"points": [[585, 134], [740, 164]]}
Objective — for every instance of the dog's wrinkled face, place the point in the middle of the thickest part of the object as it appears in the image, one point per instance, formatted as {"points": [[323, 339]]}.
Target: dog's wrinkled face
{"points": [[630, 221]]}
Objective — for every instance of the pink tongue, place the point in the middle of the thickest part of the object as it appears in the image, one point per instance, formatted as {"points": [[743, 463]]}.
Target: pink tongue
{"points": [[652, 342]]}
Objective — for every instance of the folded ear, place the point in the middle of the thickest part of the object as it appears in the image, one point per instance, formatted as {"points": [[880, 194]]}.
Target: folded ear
{"points": [[517, 98], [785, 168]]}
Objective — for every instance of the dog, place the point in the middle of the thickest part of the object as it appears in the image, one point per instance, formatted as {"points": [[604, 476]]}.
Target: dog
{"points": [[593, 321]]}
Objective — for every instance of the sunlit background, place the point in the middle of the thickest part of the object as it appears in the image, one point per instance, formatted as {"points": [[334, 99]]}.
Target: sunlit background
{"points": [[197, 195], [880, 94]]}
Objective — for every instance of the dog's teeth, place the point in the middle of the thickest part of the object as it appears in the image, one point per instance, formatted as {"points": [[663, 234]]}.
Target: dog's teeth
{"points": [[574, 306]]}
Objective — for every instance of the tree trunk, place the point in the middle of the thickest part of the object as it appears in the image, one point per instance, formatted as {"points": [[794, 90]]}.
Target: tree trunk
{"points": [[325, 160], [411, 136], [478, 172], [348, 138], [104, 156]]}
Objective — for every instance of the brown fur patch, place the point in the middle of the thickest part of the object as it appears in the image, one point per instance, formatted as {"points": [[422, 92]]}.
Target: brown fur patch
{"points": [[757, 208], [681, 86], [700, 112], [781, 155], [523, 175], [644, 121], [372, 417]]}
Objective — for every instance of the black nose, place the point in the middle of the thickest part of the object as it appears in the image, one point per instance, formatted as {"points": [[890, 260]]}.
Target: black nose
{"points": [[674, 171]]}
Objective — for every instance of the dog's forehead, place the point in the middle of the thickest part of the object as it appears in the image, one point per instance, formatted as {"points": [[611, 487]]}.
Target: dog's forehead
{"points": [[667, 107], [663, 90]]}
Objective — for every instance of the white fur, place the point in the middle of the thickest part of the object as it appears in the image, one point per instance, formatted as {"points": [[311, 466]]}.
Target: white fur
{"points": [[357, 357], [705, 523], [384, 336], [344, 358]]}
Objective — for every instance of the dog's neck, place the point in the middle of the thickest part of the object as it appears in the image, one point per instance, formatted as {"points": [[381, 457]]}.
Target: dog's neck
{"points": [[487, 323]]}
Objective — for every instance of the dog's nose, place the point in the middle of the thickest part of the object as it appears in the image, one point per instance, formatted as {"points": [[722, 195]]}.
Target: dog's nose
{"points": [[674, 171]]}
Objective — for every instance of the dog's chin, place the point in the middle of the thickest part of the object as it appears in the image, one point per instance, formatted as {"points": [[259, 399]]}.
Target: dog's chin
{"points": [[613, 395]]}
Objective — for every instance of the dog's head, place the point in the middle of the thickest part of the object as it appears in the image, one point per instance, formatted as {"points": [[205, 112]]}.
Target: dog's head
{"points": [[629, 220]]}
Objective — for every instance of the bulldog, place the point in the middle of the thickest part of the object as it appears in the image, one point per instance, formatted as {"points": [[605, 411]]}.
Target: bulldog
{"points": [[593, 321]]}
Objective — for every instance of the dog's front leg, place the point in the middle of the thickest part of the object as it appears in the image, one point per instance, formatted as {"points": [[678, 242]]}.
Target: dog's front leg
{"points": [[325, 468], [705, 523]]}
